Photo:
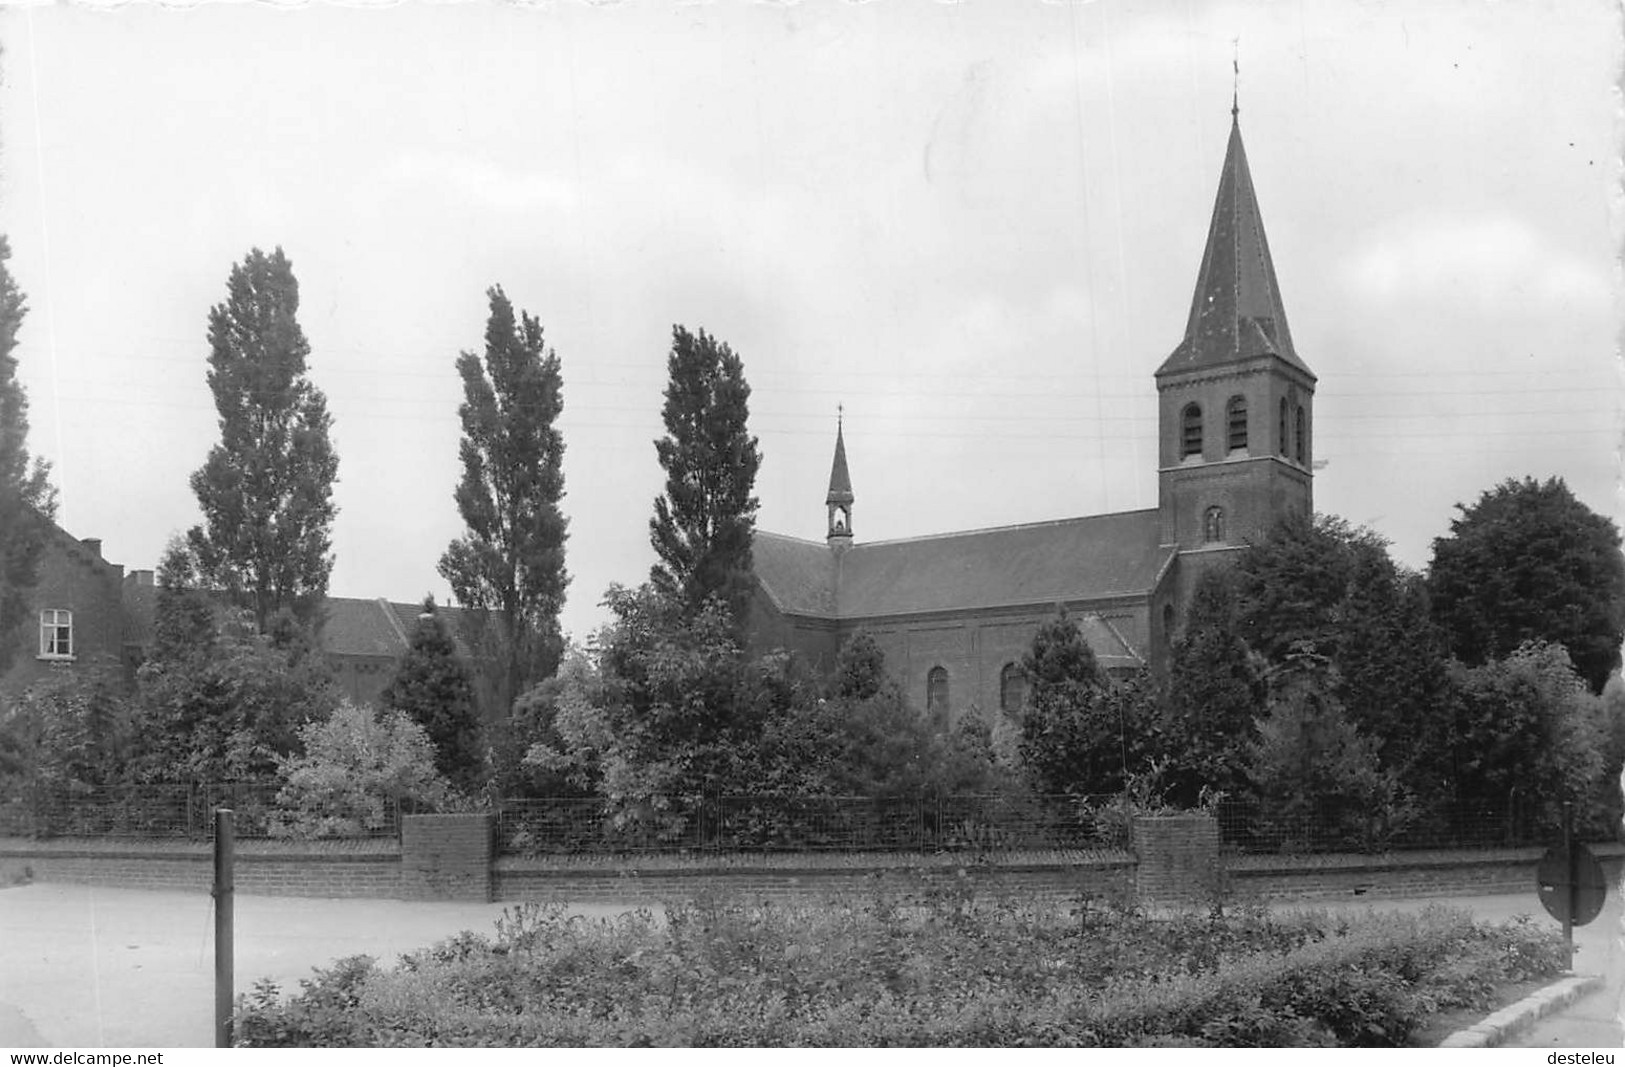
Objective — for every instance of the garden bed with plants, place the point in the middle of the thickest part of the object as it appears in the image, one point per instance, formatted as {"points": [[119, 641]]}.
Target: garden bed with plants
{"points": [[939, 966]]}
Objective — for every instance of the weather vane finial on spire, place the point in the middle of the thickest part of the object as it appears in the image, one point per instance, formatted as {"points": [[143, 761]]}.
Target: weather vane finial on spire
{"points": [[1235, 84], [840, 411]]}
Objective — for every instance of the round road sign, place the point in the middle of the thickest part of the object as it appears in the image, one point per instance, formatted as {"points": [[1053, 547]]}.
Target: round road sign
{"points": [[1584, 892]]}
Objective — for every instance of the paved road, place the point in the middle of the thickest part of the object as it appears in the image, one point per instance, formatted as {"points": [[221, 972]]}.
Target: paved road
{"points": [[95, 967]]}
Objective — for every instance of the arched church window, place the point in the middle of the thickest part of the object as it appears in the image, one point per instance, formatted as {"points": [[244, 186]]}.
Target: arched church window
{"points": [[1191, 431], [1235, 414], [1168, 624], [1213, 525], [1012, 689], [1280, 437], [936, 691], [1301, 434]]}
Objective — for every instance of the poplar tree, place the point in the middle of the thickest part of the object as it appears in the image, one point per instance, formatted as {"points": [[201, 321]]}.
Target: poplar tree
{"points": [[508, 568], [703, 524], [266, 490], [27, 501]]}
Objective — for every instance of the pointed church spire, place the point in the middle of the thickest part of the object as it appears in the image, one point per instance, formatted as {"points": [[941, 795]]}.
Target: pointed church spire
{"points": [[1236, 313], [840, 498]]}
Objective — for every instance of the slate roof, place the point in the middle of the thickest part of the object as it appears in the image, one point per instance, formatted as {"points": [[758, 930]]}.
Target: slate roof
{"points": [[357, 627], [1041, 563], [1236, 312], [360, 627]]}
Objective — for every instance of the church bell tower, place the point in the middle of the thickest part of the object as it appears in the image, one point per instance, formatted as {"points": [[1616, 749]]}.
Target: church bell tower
{"points": [[1235, 403]]}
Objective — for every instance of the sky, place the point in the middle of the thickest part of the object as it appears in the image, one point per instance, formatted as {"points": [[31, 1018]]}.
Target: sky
{"points": [[974, 226]]}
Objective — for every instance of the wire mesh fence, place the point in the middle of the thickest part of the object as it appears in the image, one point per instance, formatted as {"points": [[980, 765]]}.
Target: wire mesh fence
{"points": [[158, 810], [1249, 825], [564, 825]]}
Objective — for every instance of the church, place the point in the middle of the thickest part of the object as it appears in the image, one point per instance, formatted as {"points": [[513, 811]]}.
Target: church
{"points": [[955, 612]]}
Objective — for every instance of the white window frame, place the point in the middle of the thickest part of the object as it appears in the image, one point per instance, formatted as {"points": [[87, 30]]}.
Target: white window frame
{"points": [[53, 623]]}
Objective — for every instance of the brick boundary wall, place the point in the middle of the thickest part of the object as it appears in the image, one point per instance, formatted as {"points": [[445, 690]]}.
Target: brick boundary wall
{"points": [[445, 862], [447, 857], [303, 871], [1102, 875], [1179, 859], [1484, 872]]}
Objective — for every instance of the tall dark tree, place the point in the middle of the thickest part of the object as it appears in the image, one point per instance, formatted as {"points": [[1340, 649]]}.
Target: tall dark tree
{"points": [[266, 490], [1075, 735], [1291, 586], [1529, 562], [432, 686], [702, 525], [27, 500], [1215, 690], [508, 568]]}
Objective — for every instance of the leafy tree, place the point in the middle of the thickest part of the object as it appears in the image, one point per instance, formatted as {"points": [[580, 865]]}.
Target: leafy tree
{"points": [[1529, 562], [217, 701], [353, 766], [266, 490], [432, 686], [72, 730], [184, 623], [1075, 734], [509, 565], [1215, 690], [1529, 730], [1394, 673], [702, 526], [1292, 585], [860, 667], [27, 501], [1319, 775]]}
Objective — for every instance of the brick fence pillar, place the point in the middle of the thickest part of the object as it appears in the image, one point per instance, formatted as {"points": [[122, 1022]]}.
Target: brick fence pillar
{"points": [[1178, 858], [446, 857]]}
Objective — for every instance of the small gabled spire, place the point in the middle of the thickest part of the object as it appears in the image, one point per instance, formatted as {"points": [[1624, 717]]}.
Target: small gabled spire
{"points": [[840, 498]]}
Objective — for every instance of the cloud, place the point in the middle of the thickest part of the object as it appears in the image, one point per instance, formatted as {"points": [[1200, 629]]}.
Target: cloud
{"points": [[1491, 262], [482, 181]]}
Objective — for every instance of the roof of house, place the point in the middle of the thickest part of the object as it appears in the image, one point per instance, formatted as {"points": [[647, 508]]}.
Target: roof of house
{"points": [[1062, 561], [1236, 312], [356, 627]]}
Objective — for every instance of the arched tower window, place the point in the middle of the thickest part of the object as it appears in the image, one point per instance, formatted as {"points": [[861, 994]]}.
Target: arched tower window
{"points": [[1190, 438], [1213, 525], [1280, 437], [936, 691], [1012, 689], [1235, 417], [1301, 435]]}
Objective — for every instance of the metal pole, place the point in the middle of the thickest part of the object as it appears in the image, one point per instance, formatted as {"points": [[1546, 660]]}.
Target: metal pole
{"points": [[224, 847], [1571, 888]]}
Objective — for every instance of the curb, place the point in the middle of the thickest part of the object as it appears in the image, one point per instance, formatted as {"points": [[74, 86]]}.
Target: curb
{"points": [[1515, 1017]]}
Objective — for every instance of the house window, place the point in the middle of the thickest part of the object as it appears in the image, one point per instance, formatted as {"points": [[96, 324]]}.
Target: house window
{"points": [[1281, 439], [55, 634], [1012, 689], [1302, 433], [1191, 432], [936, 692], [1213, 525], [1236, 419]]}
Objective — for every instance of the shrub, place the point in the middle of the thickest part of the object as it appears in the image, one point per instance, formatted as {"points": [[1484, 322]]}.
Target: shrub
{"points": [[930, 964], [355, 766]]}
